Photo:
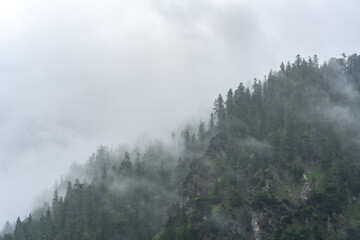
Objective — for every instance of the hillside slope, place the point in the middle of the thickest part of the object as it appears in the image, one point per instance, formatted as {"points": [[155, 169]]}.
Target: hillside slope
{"points": [[286, 163], [278, 161]]}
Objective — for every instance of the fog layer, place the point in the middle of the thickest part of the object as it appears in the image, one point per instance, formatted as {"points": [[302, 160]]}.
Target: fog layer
{"points": [[74, 75]]}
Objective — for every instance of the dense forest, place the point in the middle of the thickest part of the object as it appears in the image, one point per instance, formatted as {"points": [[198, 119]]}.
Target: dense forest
{"points": [[277, 160]]}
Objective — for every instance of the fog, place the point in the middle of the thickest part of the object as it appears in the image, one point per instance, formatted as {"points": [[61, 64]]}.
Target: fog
{"points": [[78, 74]]}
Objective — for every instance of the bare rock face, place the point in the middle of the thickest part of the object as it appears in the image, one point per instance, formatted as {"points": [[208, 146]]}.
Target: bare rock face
{"points": [[202, 178], [217, 147], [334, 222], [306, 189], [256, 217], [199, 181], [330, 226]]}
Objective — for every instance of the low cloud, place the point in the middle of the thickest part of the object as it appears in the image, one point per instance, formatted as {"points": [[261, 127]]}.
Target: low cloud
{"points": [[75, 75]]}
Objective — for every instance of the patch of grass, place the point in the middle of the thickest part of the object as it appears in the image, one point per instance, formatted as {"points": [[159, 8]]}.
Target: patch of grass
{"points": [[289, 191], [158, 236], [316, 177], [217, 209], [352, 211]]}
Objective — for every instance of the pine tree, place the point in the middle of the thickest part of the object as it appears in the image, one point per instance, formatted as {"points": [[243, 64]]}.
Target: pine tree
{"points": [[211, 121], [201, 131], [229, 103], [187, 137], [19, 233], [316, 61], [126, 162], [220, 113], [55, 201], [282, 67], [193, 138]]}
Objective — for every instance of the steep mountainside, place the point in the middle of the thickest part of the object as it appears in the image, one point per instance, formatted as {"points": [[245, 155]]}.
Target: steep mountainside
{"points": [[278, 161], [285, 164]]}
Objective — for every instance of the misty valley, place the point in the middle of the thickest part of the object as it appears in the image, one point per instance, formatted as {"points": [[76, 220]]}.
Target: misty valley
{"points": [[279, 159]]}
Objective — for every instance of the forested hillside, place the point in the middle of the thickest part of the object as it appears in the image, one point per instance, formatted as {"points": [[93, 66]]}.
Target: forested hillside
{"points": [[279, 160]]}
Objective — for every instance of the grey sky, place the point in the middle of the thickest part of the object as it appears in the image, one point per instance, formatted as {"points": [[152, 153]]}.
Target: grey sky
{"points": [[77, 74]]}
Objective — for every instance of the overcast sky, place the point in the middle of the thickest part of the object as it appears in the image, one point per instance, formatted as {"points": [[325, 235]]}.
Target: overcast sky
{"points": [[77, 74]]}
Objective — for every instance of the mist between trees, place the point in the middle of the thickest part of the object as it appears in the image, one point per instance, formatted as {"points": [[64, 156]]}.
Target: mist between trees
{"points": [[211, 178]]}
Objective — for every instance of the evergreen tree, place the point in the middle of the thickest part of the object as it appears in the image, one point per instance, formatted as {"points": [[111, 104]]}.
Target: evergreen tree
{"points": [[211, 121], [187, 137], [229, 103], [219, 110], [201, 130]]}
